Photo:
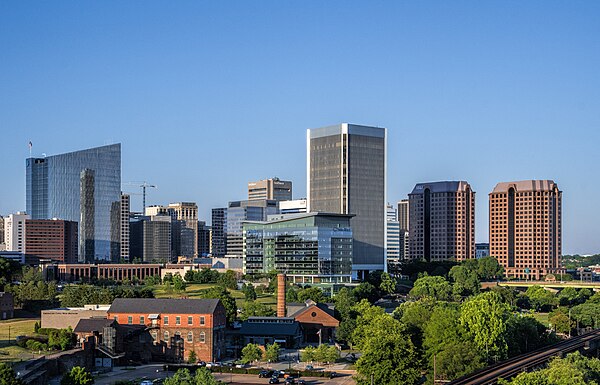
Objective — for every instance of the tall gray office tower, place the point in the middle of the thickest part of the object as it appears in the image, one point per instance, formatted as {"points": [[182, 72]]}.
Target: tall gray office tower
{"points": [[82, 186], [346, 174]]}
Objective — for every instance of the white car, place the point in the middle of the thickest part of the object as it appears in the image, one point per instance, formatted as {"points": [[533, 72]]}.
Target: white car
{"points": [[146, 382]]}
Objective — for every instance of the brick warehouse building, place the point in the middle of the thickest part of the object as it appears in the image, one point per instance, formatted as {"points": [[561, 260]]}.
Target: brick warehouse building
{"points": [[177, 326]]}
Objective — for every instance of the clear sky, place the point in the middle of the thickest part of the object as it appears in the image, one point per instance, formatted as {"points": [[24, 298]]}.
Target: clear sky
{"points": [[206, 96]]}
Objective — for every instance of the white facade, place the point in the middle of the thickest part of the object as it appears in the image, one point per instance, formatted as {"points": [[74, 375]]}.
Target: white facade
{"points": [[392, 233], [14, 231], [295, 206]]}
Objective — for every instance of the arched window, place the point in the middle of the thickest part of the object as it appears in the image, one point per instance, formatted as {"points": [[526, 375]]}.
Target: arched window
{"points": [[202, 337], [190, 337]]}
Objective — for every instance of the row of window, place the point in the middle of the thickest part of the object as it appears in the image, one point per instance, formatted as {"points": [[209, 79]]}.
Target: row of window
{"points": [[190, 320], [189, 339]]}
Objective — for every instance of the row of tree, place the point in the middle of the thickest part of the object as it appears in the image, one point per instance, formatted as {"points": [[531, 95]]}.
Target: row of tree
{"points": [[254, 352]]}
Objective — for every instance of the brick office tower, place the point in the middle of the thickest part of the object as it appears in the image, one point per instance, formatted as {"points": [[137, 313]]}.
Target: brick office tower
{"points": [[442, 221], [51, 239], [525, 228], [177, 326]]}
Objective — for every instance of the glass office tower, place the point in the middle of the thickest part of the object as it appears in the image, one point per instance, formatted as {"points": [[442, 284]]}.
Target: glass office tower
{"points": [[82, 186], [346, 174]]}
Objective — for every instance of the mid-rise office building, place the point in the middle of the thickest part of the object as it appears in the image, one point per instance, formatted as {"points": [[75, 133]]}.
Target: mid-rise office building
{"points": [[14, 231], [187, 213], [53, 239], [403, 216], [2, 244], [204, 241], [310, 248], [346, 174], [392, 239], [157, 239], [295, 206], [124, 230], [482, 250], [526, 228], [84, 187], [218, 240], [270, 189], [239, 212], [442, 221]]}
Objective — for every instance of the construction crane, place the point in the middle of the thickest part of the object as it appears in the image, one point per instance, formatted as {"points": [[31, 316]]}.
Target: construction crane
{"points": [[143, 185]]}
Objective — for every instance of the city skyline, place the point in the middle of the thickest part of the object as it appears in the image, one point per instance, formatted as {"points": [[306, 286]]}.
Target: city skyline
{"points": [[484, 95]]}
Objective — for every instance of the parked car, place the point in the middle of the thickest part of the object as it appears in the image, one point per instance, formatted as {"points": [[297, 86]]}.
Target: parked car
{"points": [[333, 375], [301, 382], [309, 367], [146, 382], [274, 380], [201, 363], [265, 374]]}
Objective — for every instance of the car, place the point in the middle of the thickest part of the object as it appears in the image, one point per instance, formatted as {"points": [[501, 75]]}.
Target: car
{"points": [[301, 382], [146, 382], [333, 375], [265, 374], [274, 380], [309, 367], [201, 363], [290, 381]]}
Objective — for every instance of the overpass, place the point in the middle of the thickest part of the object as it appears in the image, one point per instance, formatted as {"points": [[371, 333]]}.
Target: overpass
{"points": [[511, 367]]}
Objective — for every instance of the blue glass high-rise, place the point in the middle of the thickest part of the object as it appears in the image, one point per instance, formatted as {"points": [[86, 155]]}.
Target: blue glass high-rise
{"points": [[82, 186]]}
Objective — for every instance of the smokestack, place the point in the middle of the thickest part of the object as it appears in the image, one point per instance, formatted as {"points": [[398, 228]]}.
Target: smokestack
{"points": [[281, 295]]}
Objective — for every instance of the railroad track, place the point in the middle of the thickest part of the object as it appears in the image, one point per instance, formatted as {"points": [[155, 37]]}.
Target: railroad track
{"points": [[512, 367]]}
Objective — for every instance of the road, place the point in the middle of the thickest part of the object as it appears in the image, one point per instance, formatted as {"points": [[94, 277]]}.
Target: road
{"points": [[150, 372]]}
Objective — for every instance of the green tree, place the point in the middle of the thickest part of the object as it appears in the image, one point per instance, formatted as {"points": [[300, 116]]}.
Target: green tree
{"points": [[226, 299], [308, 354], [567, 296], [344, 300], [251, 353], [431, 286], [228, 280], [249, 292], [204, 377], [456, 359], [388, 284], [291, 294], [77, 376], [525, 333], [466, 282], [368, 316], [272, 352], [485, 320], [178, 283], [313, 293], [8, 376], [388, 355], [587, 314], [367, 291], [540, 298], [489, 269], [560, 321], [192, 357], [255, 309], [181, 377]]}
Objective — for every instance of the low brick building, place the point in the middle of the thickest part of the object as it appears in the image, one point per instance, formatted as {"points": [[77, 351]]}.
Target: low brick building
{"points": [[177, 326], [316, 319]]}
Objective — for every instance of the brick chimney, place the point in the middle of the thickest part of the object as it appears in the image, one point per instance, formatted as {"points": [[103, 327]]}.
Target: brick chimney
{"points": [[281, 310]]}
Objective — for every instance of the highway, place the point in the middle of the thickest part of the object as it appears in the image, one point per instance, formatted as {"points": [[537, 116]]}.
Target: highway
{"points": [[524, 362]]}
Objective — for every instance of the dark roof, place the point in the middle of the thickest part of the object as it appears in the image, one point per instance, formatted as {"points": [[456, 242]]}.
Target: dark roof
{"points": [[294, 309], [86, 325], [275, 329], [163, 305]]}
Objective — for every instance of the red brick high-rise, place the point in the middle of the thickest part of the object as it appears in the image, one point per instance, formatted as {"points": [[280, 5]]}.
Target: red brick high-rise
{"points": [[53, 239]]}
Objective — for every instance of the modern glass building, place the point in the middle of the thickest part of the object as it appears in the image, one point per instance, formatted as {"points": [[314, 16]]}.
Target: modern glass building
{"points": [[346, 174], [82, 186], [312, 248], [237, 213]]}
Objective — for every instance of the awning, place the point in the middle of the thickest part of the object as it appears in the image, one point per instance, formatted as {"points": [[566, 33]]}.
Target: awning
{"points": [[153, 316]]}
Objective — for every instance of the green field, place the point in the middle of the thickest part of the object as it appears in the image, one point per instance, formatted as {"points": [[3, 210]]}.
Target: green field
{"points": [[192, 291], [542, 317], [9, 352]]}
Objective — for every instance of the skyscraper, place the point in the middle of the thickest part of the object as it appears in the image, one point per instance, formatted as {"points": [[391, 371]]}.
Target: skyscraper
{"points": [[442, 221], [124, 230], [53, 239], [204, 246], [392, 239], [14, 231], [272, 189], [237, 213], [403, 217], [187, 213], [82, 186], [218, 240], [346, 174], [526, 228]]}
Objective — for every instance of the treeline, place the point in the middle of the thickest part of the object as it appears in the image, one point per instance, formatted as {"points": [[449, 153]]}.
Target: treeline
{"points": [[575, 261], [79, 295]]}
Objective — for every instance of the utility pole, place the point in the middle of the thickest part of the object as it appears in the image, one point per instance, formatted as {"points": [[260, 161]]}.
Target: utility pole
{"points": [[434, 371]]}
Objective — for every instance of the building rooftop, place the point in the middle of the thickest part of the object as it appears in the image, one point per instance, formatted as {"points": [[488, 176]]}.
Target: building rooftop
{"points": [[442, 186], [163, 305], [270, 326], [88, 325], [526, 185]]}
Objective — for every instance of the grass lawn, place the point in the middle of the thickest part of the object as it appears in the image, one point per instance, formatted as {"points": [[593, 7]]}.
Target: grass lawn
{"points": [[542, 317], [9, 352], [192, 290]]}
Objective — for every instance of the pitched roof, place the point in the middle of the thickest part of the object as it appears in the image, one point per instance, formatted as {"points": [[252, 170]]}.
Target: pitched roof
{"points": [[163, 305], [86, 325]]}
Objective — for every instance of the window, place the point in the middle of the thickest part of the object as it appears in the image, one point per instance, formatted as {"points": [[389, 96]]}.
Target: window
{"points": [[190, 337], [165, 320], [190, 321], [129, 320], [166, 336], [202, 320], [142, 320], [202, 337], [177, 320]]}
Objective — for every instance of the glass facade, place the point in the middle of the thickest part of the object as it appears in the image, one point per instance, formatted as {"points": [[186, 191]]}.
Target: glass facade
{"points": [[309, 248], [82, 186]]}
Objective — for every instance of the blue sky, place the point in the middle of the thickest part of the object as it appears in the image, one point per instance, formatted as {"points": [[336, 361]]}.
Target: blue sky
{"points": [[206, 96]]}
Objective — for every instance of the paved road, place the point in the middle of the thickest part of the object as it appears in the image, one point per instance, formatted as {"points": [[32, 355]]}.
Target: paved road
{"points": [[150, 372]]}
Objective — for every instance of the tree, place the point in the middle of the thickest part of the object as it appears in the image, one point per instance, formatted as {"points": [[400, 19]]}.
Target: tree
{"points": [[77, 376], [226, 299], [525, 333], [251, 353], [457, 359], [388, 355], [489, 269], [466, 281], [256, 309], [433, 287], [192, 357], [308, 354], [388, 284], [178, 283], [249, 292], [8, 376], [312, 293], [587, 314], [325, 353], [367, 291], [168, 278], [344, 300], [228, 280], [560, 321], [181, 377], [485, 319], [368, 316], [540, 298], [204, 377], [272, 352], [567, 296]]}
